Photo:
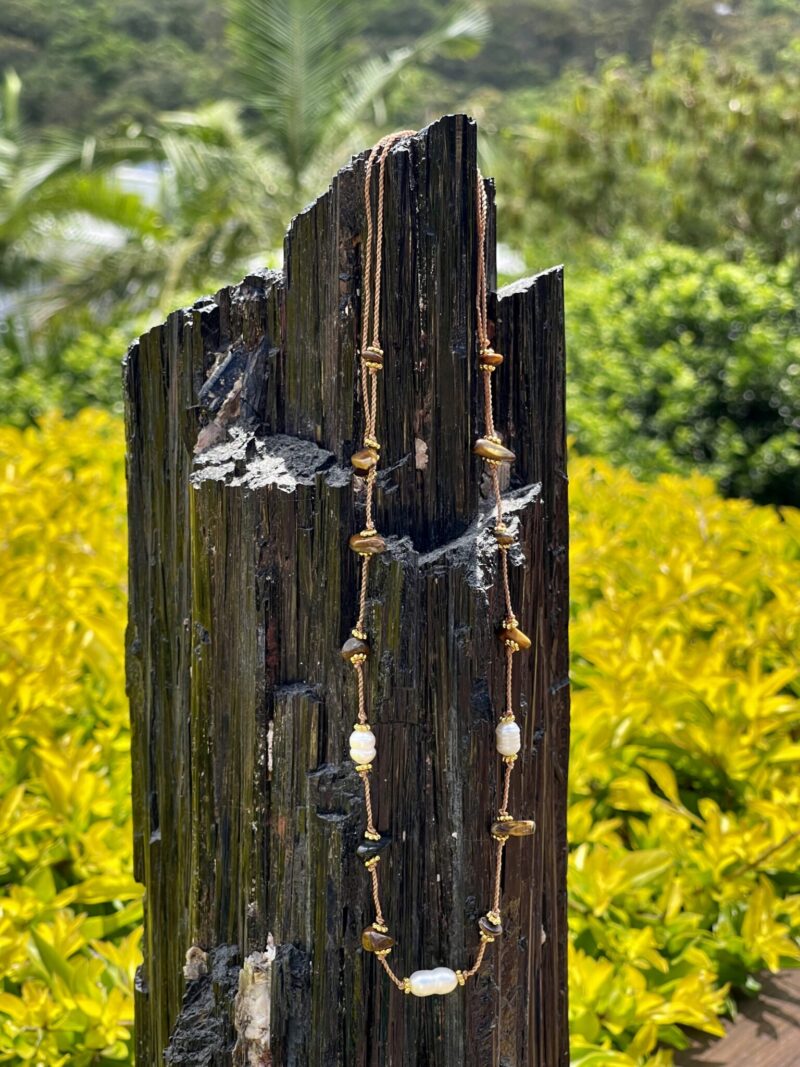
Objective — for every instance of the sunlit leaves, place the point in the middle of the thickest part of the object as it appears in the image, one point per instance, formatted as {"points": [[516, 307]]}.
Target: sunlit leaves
{"points": [[685, 808], [69, 908]]}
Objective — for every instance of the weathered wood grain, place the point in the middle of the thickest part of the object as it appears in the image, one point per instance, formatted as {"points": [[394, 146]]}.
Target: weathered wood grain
{"points": [[241, 415]]}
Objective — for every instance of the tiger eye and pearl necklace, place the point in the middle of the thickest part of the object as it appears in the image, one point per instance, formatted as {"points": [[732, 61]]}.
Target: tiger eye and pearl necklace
{"points": [[369, 543]]}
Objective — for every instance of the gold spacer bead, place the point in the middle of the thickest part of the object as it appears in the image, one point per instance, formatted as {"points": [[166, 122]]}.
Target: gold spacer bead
{"points": [[494, 437], [509, 759], [493, 916], [372, 442], [363, 727], [380, 927], [358, 633], [486, 367], [370, 836], [406, 985], [373, 861], [360, 657], [460, 976], [500, 837], [505, 817], [486, 937], [511, 644], [383, 952], [508, 717], [371, 533], [363, 767]]}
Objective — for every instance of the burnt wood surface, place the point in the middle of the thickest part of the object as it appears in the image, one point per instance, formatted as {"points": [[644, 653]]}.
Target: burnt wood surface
{"points": [[241, 415]]}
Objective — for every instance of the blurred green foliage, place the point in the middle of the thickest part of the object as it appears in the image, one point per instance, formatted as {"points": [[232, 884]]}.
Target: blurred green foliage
{"points": [[680, 359], [698, 149]]}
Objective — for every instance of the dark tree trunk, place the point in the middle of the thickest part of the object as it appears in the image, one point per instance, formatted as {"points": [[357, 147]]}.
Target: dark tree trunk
{"points": [[242, 413]]}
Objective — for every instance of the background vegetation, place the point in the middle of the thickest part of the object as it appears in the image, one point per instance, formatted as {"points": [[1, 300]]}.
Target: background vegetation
{"points": [[149, 154]]}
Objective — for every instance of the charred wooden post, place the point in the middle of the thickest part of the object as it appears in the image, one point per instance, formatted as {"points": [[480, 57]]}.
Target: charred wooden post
{"points": [[247, 809]]}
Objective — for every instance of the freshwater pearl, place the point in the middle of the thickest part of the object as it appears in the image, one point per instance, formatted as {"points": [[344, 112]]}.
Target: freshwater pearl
{"points": [[362, 746], [439, 980], [508, 738]]}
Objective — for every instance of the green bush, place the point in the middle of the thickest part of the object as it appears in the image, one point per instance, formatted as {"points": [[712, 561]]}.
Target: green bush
{"points": [[85, 372], [680, 360], [698, 149]]}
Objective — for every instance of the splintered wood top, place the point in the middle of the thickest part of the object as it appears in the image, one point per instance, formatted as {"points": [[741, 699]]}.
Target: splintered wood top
{"points": [[766, 1033]]}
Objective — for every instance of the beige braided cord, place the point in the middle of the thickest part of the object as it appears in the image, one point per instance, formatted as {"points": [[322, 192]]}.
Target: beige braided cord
{"points": [[370, 344]]}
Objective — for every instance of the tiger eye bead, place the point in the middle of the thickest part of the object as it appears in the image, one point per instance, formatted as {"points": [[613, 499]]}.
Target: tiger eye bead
{"points": [[373, 357], [514, 827], [353, 647], [373, 940], [490, 926], [493, 451], [367, 543], [511, 633], [502, 536], [491, 358], [364, 461]]}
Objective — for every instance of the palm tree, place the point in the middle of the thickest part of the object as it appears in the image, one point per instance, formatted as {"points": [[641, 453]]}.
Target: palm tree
{"points": [[72, 237]]}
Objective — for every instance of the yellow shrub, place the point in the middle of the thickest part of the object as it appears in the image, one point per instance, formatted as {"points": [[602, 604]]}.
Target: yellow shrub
{"points": [[69, 908], [685, 803], [685, 800]]}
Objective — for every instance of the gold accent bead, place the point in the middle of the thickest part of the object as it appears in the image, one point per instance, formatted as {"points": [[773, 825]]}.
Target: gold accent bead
{"points": [[380, 927], [500, 837], [486, 937], [406, 985], [372, 442], [382, 952], [508, 717], [505, 817], [372, 862], [510, 759], [372, 835], [461, 979], [363, 727], [358, 633], [493, 916], [362, 767], [487, 367]]}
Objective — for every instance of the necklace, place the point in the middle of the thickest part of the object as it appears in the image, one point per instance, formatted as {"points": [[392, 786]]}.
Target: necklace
{"points": [[369, 543]]}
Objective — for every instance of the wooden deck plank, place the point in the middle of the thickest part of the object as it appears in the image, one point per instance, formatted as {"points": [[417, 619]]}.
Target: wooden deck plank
{"points": [[766, 1033]]}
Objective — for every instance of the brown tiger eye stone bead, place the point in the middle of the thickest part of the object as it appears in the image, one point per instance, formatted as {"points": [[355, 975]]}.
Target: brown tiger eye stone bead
{"points": [[367, 544], [490, 358], [514, 827], [374, 941], [354, 646], [372, 357], [513, 633], [364, 461], [503, 538], [493, 451], [489, 926]]}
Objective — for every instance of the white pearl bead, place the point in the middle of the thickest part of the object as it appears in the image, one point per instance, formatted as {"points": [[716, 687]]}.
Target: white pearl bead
{"points": [[362, 746], [428, 983], [508, 738]]}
